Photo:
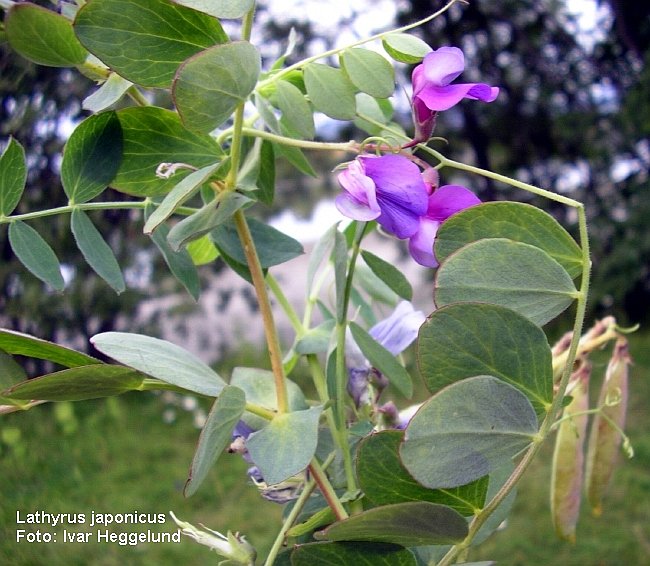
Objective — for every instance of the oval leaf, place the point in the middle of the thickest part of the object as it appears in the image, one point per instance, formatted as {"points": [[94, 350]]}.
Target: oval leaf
{"points": [[466, 431], [330, 91], [286, 445], [185, 189], [202, 250], [108, 94], [210, 85], [405, 48], [369, 72], [273, 247], [160, 359], [152, 136], [43, 36], [295, 109], [14, 342], [91, 157], [331, 553], [389, 274], [180, 263], [215, 435], [513, 220], [206, 219], [220, 8], [96, 251], [503, 272], [384, 480], [77, 384], [35, 254], [13, 174], [416, 523], [468, 339], [260, 390], [145, 40], [378, 110], [383, 360]]}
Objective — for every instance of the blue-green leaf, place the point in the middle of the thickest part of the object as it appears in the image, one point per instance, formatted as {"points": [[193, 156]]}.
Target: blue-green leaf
{"points": [[389, 274], [96, 251], [13, 174], [215, 435], [369, 72], [35, 254], [330, 91]]}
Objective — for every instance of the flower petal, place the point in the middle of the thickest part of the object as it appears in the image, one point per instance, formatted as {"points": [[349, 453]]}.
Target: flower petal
{"points": [[449, 200], [444, 97], [348, 206], [400, 329], [443, 65], [359, 201], [421, 243]]}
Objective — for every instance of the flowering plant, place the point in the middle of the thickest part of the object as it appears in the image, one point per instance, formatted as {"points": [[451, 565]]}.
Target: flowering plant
{"points": [[362, 479]]}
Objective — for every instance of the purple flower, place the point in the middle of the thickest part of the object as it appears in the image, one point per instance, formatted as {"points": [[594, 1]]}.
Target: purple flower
{"points": [[395, 333], [388, 188], [432, 91], [444, 202]]}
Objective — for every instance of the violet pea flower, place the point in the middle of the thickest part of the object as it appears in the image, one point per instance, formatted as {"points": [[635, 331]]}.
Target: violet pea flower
{"points": [[443, 203], [432, 91], [395, 333], [386, 188]]}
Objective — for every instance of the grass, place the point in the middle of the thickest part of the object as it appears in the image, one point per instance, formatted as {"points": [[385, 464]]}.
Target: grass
{"points": [[119, 456]]}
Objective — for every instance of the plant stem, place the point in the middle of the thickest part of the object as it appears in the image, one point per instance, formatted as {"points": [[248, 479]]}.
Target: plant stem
{"points": [[338, 50], [327, 490], [137, 97], [304, 144]]}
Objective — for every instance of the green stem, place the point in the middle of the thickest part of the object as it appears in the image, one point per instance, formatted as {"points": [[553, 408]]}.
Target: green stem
{"points": [[338, 50], [291, 313], [304, 144], [137, 97], [556, 405], [293, 515], [327, 490]]}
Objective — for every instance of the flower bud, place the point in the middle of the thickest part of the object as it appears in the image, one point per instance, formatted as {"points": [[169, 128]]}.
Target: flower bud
{"points": [[568, 458], [607, 429]]}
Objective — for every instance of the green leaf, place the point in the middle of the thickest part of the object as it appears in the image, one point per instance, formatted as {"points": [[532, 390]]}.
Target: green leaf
{"points": [[513, 220], [405, 48], [227, 9], [286, 445], [11, 371], [259, 387], [273, 247], [202, 250], [466, 431], [365, 279], [498, 478], [215, 435], [43, 36], [185, 189], [503, 272], [467, 339], [180, 263], [210, 85], [111, 91], [91, 157], [415, 523], [383, 360], [316, 340], [145, 40], [321, 250], [339, 553], [369, 72], [378, 110], [96, 251], [296, 111], [296, 157], [35, 254], [384, 480], [389, 274], [266, 178], [78, 383], [160, 359], [14, 342], [206, 219], [13, 174], [152, 136], [330, 91]]}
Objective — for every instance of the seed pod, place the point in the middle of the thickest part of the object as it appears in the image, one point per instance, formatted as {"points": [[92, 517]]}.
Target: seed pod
{"points": [[605, 437], [568, 458]]}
